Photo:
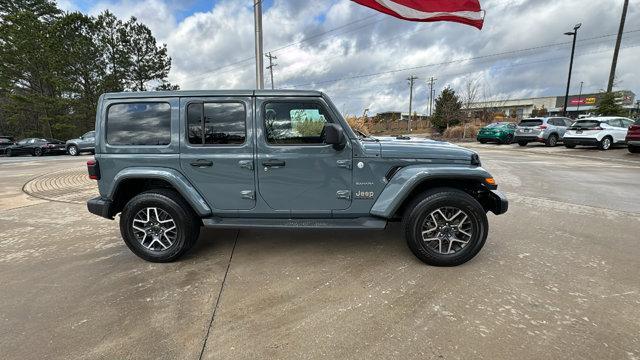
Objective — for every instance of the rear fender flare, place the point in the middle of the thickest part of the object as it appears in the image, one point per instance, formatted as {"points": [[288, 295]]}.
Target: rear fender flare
{"points": [[407, 179], [173, 177]]}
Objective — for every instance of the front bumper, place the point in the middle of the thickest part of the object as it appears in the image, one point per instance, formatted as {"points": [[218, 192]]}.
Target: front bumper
{"points": [[499, 204], [101, 207], [571, 141], [633, 142]]}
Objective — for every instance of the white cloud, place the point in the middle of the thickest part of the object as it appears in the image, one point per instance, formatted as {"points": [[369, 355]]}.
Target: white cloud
{"points": [[202, 46]]}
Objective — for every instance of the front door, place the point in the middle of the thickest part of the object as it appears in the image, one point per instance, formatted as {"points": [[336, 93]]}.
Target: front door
{"points": [[216, 151], [297, 171]]}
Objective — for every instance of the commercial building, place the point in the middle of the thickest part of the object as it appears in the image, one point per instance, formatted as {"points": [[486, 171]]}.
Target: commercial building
{"points": [[552, 105]]}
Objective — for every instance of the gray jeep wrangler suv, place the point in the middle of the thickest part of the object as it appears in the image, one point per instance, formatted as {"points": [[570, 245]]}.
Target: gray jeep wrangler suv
{"points": [[171, 162]]}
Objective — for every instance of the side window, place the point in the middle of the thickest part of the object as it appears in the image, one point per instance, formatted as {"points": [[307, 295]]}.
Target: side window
{"points": [[615, 122], [23, 142], [568, 122], [147, 124], [90, 134], [216, 123], [294, 123], [626, 123]]}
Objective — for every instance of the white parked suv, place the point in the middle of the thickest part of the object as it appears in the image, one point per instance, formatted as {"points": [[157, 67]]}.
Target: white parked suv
{"points": [[603, 132]]}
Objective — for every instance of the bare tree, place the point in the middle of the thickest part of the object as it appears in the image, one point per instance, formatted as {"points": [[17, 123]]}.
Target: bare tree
{"points": [[469, 98]]}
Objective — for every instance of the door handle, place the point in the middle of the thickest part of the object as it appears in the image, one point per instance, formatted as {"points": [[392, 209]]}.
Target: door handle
{"points": [[274, 163], [202, 163]]}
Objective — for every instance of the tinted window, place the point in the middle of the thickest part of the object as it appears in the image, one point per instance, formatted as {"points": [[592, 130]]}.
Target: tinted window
{"points": [[531, 122], [139, 124], [90, 134], [23, 142], [4, 141], [626, 122], [568, 122], [289, 123], [586, 124], [216, 123]]}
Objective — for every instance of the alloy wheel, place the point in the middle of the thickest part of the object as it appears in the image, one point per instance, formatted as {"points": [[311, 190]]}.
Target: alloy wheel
{"points": [[447, 230], [155, 229], [606, 143], [73, 151]]}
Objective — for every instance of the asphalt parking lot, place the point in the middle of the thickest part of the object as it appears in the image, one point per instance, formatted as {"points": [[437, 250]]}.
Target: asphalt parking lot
{"points": [[558, 277]]}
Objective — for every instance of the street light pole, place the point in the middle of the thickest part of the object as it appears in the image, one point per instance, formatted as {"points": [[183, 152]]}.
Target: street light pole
{"points": [[257, 17], [579, 98], [573, 33]]}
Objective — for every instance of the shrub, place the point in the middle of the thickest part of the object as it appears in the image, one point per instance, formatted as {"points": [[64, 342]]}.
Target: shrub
{"points": [[456, 132], [359, 124]]}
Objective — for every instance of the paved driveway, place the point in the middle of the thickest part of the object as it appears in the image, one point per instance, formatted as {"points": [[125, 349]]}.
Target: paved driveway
{"points": [[558, 278]]}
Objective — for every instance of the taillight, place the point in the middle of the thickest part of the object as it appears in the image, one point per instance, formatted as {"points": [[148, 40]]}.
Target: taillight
{"points": [[94, 170], [542, 127]]}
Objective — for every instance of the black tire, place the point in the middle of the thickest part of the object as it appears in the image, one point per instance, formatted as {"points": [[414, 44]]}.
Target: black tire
{"points": [[483, 141], [37, 151], [634, 149], [8, 153], [185, 220], [522, 143], [508, 140], [604, 145], [73, 150], [569, 146], [552, 140], [419, 209]]}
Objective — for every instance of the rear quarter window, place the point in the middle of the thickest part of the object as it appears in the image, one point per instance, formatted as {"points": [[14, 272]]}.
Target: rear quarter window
{"points": [[139, 124], [586, 124]]}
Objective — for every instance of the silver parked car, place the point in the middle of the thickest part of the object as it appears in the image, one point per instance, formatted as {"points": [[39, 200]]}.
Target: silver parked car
{"points": [[85, 143], [548, 130]]}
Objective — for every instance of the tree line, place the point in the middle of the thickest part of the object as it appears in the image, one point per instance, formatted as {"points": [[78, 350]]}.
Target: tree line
{"points": [[54, 65]]}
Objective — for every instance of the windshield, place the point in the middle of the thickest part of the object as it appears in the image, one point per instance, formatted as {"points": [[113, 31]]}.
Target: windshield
{"points": [[494, 125], [531, 122]]}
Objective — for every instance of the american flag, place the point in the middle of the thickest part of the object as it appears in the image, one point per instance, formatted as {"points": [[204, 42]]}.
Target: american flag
{"points": [[461, 11]]}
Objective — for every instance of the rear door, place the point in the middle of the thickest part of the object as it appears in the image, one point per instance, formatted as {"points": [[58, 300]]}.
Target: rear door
{"points": [[87, 141], [619, 130], [217, 150], [298, 172]]}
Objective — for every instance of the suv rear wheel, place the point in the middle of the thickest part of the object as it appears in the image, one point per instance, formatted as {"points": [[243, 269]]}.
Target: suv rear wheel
{"points": [[159, 226], [634, 149], [605, 143], [445, 227], [522, 143], [552, 140]]}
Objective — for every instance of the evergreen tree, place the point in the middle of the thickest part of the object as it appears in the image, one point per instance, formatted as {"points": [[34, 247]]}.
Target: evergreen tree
{"points": [[447, 110], [148, 61], [608, 106]]}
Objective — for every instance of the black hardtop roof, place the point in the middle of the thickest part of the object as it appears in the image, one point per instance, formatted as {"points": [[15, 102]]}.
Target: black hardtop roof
{"points": [[203, 93]]}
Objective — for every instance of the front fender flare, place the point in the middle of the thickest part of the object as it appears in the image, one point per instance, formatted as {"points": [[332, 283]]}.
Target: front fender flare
{"points": [[173, 177], [408, 178]]}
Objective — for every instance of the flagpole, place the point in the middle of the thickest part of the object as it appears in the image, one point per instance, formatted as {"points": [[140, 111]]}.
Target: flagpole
{"points": [[257, 15]]}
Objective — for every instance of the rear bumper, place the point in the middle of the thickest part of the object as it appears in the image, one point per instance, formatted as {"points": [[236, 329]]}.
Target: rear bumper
{"points": [[100, 206], [528, 138], [580, 141]]}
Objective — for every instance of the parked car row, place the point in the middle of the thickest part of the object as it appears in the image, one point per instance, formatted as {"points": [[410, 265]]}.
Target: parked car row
{"points": [[601, 132], [44, 146]]}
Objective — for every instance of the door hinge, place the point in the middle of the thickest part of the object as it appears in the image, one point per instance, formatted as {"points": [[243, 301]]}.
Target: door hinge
{"points": [[344, 194], [248, 194], [246, 164], [344, 164]]}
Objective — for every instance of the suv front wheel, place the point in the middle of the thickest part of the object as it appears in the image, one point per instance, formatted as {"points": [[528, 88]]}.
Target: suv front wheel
{"points": [[159, 226], [445, 227]]}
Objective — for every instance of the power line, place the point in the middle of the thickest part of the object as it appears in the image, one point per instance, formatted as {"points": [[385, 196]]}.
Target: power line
{"points": [[431, 83], [454, 61]]}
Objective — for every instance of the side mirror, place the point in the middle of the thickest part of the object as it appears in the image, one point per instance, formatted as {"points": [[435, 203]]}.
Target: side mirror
{"points": [[334, 135]]}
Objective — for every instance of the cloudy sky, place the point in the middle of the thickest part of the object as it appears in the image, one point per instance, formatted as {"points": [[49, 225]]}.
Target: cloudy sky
{"points": [[362, 58]]}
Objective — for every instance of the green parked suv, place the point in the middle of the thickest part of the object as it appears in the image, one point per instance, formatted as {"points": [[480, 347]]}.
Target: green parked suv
{"points": [[172, 162], [500, 132]]}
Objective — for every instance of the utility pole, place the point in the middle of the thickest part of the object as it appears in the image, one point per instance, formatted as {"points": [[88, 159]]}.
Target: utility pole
{"points": [[257, 17], [411, 80], [431, 83], [573, 33], [616, 52], [579, 98], [270, 67]]}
